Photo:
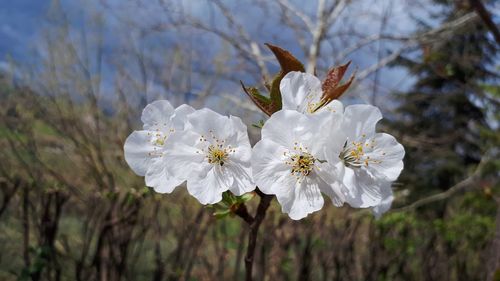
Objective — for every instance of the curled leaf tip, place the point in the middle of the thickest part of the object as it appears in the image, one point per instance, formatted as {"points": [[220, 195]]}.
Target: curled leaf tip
{"points": [[262, 102], [331, 85], [286, 60]]}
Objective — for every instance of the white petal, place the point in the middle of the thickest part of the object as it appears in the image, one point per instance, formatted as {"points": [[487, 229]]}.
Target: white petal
{"points": [[298, 89], [333, 138], [180, 116], [304, 198], [330, 185], [363, 190], [137, 148], [158, 177], [208, 189], [335, 106], [205, 121], [158, 112], [360, 119], [240, 142], [389, 155], [325, 133], [243, 181], [182, 156], [385, 205], [335, 192], [287, 126], [270, 172]]}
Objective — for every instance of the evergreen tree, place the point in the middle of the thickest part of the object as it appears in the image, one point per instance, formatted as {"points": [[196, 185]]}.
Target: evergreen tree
{"points": [[442, 116]]}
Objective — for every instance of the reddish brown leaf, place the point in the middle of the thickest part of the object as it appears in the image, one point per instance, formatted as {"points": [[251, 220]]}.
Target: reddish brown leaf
{"points": [[335, 93], [287, 61], [334, 76]]}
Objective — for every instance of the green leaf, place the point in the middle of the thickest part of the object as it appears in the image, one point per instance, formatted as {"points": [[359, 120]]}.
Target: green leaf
{"points": [[222, 214], [245, 197], [228, 198], [275, 91], [262, 102], [259, 124]]}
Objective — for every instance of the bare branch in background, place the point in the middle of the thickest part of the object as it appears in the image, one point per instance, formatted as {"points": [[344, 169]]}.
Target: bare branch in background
{"points": [[439, 33], [462, 186], [486, 18]]}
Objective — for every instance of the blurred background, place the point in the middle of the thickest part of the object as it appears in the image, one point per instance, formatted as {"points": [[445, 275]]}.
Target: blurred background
{"points": [[75, 75]]}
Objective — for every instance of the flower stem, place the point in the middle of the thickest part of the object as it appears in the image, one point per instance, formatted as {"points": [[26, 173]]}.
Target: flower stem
{"points": [[264, 203]]}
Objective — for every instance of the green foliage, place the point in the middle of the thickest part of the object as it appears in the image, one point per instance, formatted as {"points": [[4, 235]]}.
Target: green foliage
{"points": [[230, 203], [40, 259], [443, 118]]}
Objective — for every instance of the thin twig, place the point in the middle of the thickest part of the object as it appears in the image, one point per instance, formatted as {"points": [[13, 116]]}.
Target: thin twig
{"points": [[486, 18], [459, 187], [242, 212], [265, 200]]}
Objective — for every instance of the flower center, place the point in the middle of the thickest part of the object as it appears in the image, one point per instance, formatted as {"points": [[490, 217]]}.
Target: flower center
{"points": [[300, 161], [312, 107], [302, 164], [313, 102], [158, 138], [217, 154], [354, 153]]}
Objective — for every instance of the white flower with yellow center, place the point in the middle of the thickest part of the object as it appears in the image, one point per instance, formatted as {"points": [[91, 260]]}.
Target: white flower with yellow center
{"points": [[213, 154], [145, 149], [289, 162], [367, 162], [302, 92]]}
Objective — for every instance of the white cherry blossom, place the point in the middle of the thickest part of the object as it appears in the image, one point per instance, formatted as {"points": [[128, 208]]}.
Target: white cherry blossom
{"points": [[145, 149], [288, 161], [302, 92], [367, 161], [213, 154]]}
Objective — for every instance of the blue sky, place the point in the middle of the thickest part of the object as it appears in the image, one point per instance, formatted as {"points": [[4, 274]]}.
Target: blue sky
{"points": [[21, 22], [18, 26]]}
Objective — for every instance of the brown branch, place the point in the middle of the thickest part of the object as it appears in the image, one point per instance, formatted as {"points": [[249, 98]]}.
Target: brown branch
{"points": [[426, 37], [8, 194], [486, 18], [242, 212], [459, 187], [265, 200]]}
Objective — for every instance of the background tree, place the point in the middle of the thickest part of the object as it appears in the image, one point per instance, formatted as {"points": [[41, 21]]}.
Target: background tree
{"points": [[442, 117]]}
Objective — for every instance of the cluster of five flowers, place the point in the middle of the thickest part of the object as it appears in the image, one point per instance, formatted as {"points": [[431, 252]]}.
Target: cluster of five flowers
{"points": [[306, 149]]}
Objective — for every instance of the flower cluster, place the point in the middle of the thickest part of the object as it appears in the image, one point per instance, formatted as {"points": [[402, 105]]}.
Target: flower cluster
{"points": [[311, 147], [331, 150], [209, 151]]}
